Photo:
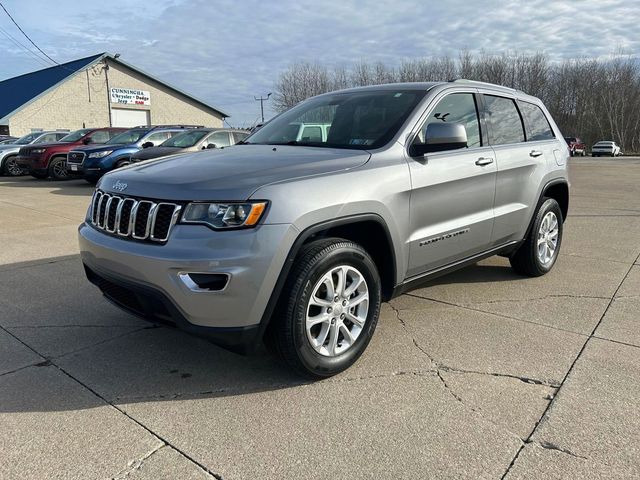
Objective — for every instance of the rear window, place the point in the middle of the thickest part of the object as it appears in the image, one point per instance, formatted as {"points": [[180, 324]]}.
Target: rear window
{"points": [[538, 127], [504, 119]]}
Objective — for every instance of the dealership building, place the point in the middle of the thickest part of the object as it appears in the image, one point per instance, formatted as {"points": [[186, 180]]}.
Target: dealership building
{"points": [[96, 91]]}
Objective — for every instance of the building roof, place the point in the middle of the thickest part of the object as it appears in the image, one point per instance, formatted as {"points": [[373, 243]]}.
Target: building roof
{"points": [[18, 92]]}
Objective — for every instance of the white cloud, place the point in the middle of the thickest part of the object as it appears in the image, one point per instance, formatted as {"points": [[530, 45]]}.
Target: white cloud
{"points": [[228, 51]]}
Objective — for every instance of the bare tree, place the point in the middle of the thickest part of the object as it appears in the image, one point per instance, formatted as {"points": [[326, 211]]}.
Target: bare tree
{"points": [[595, 99]]}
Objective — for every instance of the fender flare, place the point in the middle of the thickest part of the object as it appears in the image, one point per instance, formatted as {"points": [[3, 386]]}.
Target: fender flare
{"points": [[295, 249]]}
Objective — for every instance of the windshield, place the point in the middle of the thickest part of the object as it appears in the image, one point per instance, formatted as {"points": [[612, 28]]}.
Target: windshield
{"points": [[356, 120], [130, 136], [28, 138], [75, 136], [186, 139]]}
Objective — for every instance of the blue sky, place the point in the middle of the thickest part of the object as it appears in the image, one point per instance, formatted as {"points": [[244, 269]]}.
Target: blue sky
{"points": [[225, 52]]}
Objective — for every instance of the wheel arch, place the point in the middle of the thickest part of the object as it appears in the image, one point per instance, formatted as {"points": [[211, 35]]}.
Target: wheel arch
{"points": [[559, 191], [369, 230]]}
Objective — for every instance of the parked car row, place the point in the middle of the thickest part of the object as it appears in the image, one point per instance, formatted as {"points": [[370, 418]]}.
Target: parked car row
{"points": [[92, 152], [604, 147]]}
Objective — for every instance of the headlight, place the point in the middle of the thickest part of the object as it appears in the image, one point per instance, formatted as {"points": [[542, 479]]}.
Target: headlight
{"points": [[100, 154], [225, 215], [37, 150]]}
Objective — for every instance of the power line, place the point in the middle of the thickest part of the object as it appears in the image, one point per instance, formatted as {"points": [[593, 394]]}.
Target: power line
{"points": [[27, 36], [23, 46]]}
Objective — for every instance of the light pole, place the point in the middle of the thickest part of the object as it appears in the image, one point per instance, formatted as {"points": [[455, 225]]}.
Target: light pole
{"points": [[262, 100]]}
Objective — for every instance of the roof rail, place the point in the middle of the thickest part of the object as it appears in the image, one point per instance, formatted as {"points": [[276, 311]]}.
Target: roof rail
{"points": [[152, 127], [476, 82]]}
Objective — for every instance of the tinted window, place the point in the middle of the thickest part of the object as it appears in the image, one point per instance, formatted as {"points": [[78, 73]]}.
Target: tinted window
{"points": [[130, 136], [220, 139], [358, 120], [456, 108], [504, 120], [538, 127], [75, 136], [239, 136], [311, 134], [157, 138], [185, 139], [100, 136], [49, 137]]}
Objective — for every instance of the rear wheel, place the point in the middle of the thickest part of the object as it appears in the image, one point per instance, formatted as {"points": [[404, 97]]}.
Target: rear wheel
{"points": [[11, 167], [328, 309], [58, 168], [537, 255]]}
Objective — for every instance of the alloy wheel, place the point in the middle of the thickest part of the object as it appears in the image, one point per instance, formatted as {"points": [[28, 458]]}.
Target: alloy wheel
{"points": [[13, 169], [548, 238], [337, 310]]}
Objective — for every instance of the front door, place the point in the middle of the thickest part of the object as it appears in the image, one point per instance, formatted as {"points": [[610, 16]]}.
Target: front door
{"points": [[452, 192]]}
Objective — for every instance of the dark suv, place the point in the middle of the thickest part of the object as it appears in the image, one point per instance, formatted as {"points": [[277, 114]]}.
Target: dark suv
{"points": [[94, 161], [49, 159]]}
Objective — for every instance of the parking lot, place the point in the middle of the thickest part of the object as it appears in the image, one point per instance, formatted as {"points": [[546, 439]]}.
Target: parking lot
{"points": [[480, 374]]}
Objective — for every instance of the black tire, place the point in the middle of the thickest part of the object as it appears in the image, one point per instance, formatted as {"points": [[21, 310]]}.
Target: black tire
{"points": [[58, 168], [10, 168], [287, 334], [122, 163], [584, 152], [525, 260]]}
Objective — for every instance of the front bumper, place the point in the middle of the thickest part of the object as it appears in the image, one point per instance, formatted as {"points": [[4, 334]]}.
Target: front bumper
{"points": [[32, 164], [144, 278]]}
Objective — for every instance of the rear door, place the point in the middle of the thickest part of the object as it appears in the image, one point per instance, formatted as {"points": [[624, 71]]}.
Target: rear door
{"points": [[451, 210], [523, 143]]}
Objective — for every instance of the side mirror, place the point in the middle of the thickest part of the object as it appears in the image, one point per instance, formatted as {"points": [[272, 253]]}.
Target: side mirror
{"points": [[87, 141], [147, 144], [439, 137], [211, 145]]}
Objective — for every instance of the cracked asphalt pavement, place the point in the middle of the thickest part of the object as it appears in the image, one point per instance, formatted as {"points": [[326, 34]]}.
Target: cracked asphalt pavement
{"points": [[479, 374]]}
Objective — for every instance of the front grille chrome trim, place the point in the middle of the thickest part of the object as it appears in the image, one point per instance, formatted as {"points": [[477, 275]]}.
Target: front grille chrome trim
{"points": [[103, 205]]}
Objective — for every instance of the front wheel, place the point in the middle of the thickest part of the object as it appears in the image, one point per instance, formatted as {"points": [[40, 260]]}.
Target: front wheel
{"points": [[328, 309], [58, 169], [11, 167], [539, 251]]}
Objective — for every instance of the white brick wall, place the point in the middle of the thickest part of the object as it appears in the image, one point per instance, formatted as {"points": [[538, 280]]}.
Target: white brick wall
{"points": [[82, 101]]}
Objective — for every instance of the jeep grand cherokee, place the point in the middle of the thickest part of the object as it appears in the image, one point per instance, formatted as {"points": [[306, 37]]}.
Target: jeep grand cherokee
{"points": [[298, 241]]}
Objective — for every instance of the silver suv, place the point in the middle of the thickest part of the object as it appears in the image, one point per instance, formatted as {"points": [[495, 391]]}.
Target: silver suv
{"points": [[298, 241]]}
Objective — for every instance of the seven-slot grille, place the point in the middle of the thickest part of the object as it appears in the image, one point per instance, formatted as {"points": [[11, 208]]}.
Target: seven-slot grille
{"points": [[75, 157], [133, 218]]}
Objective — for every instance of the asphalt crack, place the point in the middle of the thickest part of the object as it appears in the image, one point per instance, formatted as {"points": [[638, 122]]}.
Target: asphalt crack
{"points": [[136, 464], [501, 315], [551, 446], [545, 414], [50, 362]]}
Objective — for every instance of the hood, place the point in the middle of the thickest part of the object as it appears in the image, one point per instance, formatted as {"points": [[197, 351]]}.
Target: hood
{"points": [[9, 146], [50, 145], [228, 174], [155, 152]]}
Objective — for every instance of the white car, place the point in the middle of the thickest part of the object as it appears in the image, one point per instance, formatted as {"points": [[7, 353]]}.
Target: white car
{"points": [[605, 147]]}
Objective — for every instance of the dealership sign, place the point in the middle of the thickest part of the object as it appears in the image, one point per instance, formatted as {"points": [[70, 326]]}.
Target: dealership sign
{"points": [[130, 96]]}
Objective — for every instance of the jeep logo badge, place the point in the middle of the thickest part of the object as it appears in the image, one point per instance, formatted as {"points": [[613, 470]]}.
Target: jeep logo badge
{"points": [[119, 186]]}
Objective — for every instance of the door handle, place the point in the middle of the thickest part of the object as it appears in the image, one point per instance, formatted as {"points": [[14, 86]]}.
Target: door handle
{"points": [[535, 153], [482, 161]]}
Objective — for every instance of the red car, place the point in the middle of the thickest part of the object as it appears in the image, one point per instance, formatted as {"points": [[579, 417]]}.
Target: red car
{"points": [[576, 146], [49, 159]]}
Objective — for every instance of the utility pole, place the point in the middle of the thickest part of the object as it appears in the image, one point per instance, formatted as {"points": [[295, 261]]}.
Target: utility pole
{"points": [[262, 100]]}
